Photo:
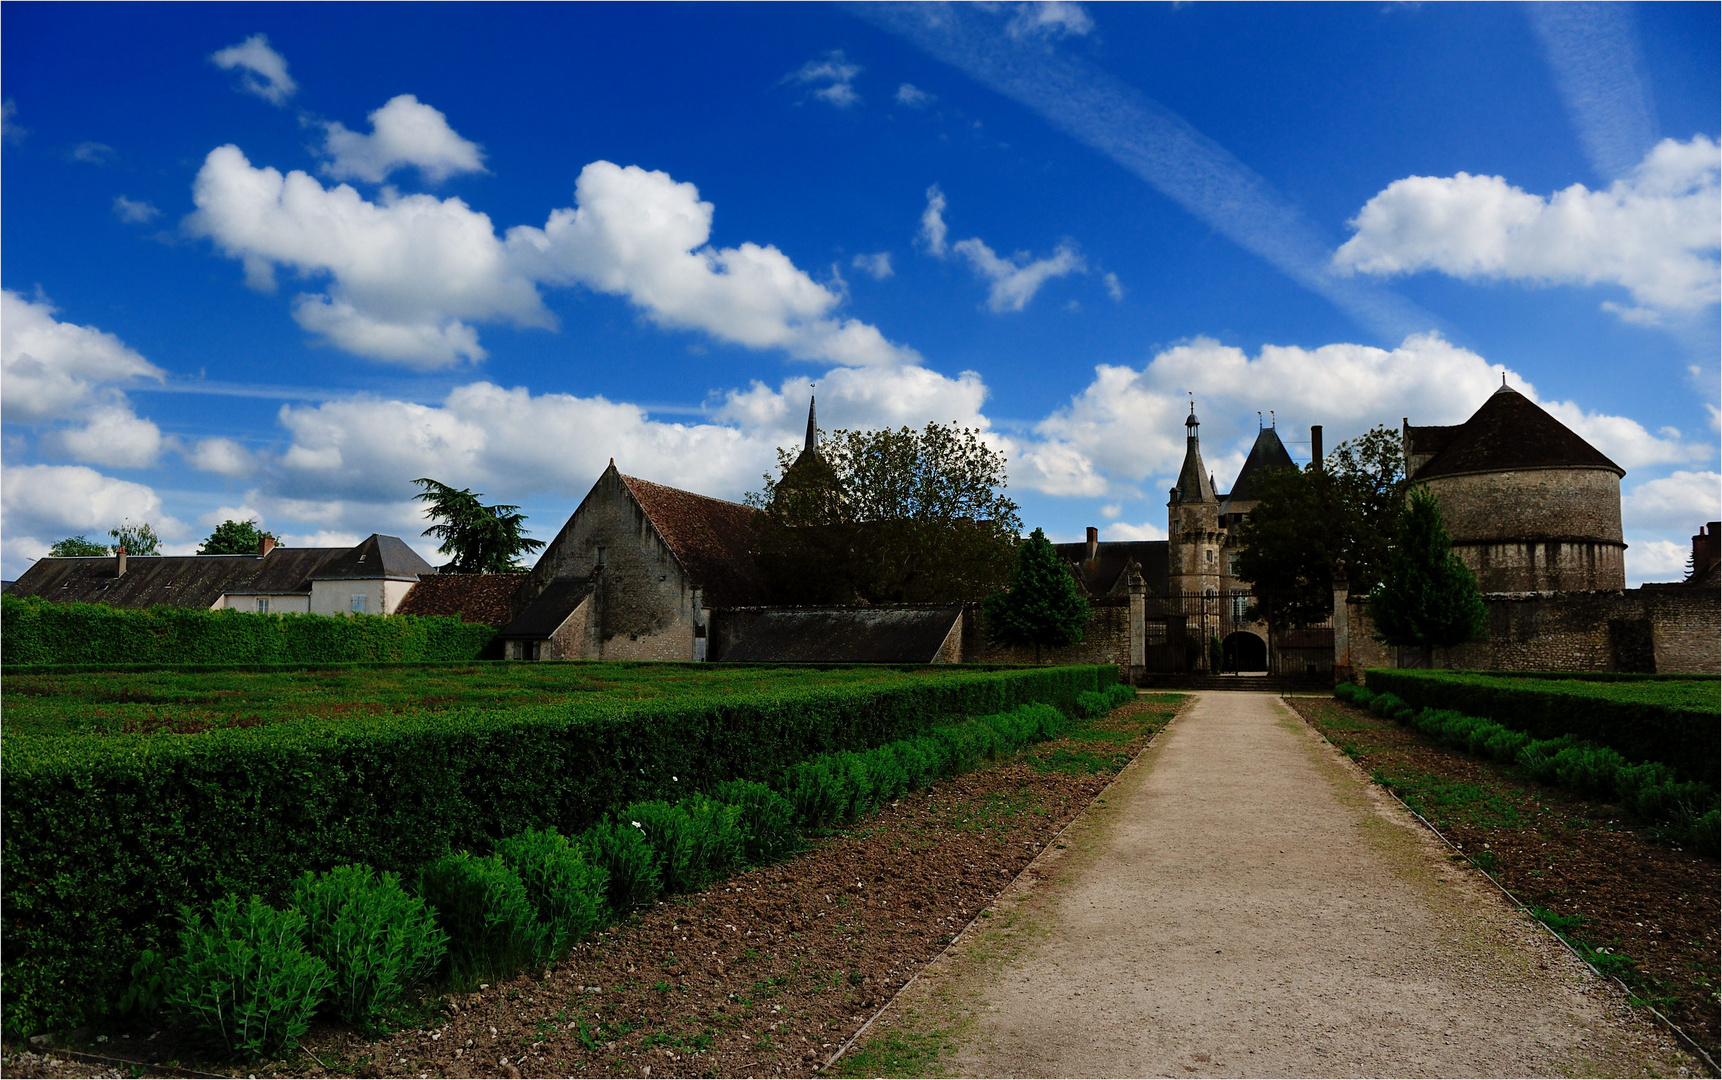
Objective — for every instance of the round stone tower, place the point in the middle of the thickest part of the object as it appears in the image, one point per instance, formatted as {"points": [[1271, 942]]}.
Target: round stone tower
{"points": [[1530, 505]]}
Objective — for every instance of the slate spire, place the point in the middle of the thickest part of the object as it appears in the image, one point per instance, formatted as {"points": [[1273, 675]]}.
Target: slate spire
{"points": [[1193, 482], [812, 427]]}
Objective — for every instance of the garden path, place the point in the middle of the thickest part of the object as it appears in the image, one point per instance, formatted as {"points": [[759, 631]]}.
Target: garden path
{"points": [[1244, 902]]}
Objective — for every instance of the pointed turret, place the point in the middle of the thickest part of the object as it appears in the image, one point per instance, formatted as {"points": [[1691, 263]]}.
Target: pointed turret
{"points": [[1193, 522], [812, 428], [1193, 482]]}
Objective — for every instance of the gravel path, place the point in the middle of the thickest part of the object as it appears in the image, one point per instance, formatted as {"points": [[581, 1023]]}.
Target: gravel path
{"points": [[1245, 903]]}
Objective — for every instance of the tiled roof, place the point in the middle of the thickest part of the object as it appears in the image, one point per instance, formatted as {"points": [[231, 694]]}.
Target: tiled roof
{"points": [[1101, 575], [1267, 455], [1510, 431], [871, 635], [711, 538], [376, 556], [474, 598], [549, 610], [172, 580]]}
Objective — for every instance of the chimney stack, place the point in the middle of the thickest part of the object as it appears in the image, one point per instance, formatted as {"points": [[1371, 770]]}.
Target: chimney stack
{"points": [[120, 562], [265, 544], [1093, 543], [1315, 446]]}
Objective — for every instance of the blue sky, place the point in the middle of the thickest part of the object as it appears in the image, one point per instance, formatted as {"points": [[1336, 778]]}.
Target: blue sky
{"points": [[277, 261]]}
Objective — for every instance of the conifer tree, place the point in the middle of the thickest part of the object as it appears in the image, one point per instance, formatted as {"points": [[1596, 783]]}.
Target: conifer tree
{"points": [[1042, 606], [1428, 597]]}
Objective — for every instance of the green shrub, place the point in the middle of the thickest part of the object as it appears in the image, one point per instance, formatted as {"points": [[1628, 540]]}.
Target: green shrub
{"points": [[377, 939], [245, 981], [102, 837], [693, 841], [34, 631], [629, 863], [482, 905], [569, 892], [767, 820], [1668, 720], [1091, 703]]}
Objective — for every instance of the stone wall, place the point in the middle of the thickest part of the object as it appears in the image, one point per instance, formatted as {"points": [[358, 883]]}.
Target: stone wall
{"points": [[1665, 629], [646, 608], [1532, 530], [1105, 641]]}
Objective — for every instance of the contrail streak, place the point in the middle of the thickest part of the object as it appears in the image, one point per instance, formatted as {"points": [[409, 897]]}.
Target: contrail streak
{"points": [[1150, 141], [1593, 51]]}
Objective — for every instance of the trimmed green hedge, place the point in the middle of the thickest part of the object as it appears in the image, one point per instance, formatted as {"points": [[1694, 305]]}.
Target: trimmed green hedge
{"points": [[1644, 721], [33, 631], [102, 837]]}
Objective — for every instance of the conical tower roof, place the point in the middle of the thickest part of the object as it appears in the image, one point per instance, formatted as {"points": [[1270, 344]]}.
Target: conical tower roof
{"points": [[1268, 455], [1194, 484], [1510, 432]]}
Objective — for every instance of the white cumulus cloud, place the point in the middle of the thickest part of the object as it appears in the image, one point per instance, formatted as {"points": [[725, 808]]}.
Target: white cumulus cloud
{"points": [[262, 70], [407, 273], [404, 132], [1680, 501], [933, 228], [56, 370], [1654, 232], [113, 435], [1126, 428], [640, 234], [1049, 18], [50, 501], [221, 456]]}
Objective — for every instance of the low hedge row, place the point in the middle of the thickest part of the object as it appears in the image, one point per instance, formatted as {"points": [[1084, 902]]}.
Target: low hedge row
{"points": [[354, 942], [1685, 738], [33, 631], [102, 837], [1687, 809]]}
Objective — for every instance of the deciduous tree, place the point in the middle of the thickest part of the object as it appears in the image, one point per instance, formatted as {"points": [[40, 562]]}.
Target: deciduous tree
{"points": [[75, 546], [139, 539], [233, 538]]}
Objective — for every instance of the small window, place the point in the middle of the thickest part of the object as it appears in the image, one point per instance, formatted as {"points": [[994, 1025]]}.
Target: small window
{"points": [[358, 602], [598, 560], [1232, 564], [1210, 556], [262, 605]]}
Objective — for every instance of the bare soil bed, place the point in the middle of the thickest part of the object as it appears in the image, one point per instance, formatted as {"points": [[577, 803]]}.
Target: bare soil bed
{"points": [[764, 974], [1608, 881]]}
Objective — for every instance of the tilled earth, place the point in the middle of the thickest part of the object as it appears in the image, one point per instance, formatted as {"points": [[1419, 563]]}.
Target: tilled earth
{"points": [[1635, 896], [769, 972]]}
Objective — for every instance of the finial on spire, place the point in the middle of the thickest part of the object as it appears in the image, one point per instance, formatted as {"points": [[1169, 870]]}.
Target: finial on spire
{"points": [[1258, 419], [1503, 378], [1273, 423], [812, 426]]}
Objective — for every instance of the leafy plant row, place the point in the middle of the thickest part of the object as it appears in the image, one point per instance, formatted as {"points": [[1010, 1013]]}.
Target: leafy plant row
{"points": [[34, 631], [102, 838], [1673, 722], [1687, 809], [355, 942]]}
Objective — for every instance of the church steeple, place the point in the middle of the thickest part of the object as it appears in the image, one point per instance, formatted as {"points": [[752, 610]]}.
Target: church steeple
{"points": [[1193, 482], [812, 443]]}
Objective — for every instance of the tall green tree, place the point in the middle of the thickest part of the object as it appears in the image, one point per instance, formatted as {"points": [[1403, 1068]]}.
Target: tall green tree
{"points": [[233, 538], [479, 539], [139, 539], [1428, 597], [1042, 607], [76, 546], [893, 516], [1308, 519]]}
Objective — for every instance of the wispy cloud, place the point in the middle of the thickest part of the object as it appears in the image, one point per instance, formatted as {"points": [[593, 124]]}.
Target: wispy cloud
{"points": [[134, 211], [1150, 141], [832, 76], [1593, 51], [263, 71], [92, 153], [913, 96]]}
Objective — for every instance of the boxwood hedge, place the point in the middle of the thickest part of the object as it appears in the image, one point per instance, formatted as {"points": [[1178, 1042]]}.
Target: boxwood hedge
{"points": [[33, 631], [1658, 720], [103, 836]]}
